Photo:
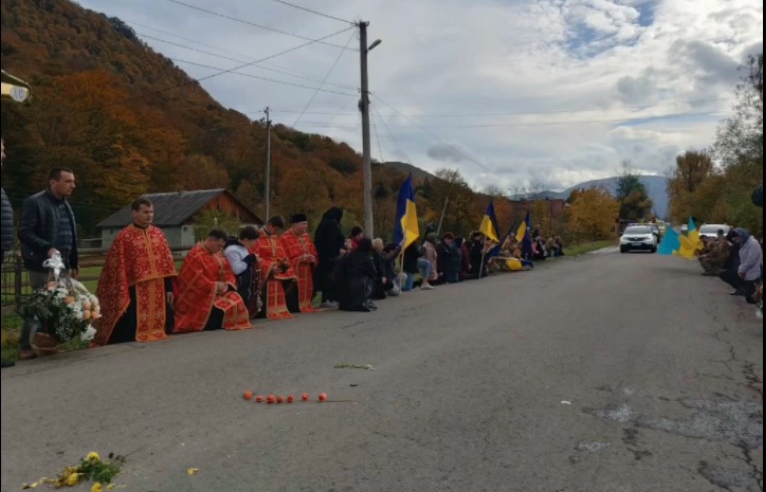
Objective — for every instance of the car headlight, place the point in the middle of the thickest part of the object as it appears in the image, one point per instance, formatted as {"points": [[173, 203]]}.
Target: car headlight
{"points": [[649, 239]]}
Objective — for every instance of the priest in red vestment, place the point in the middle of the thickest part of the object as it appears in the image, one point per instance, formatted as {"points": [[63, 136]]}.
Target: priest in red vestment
{"points": [[207, 290], [276, 271], [135, 289], [303, 255]]}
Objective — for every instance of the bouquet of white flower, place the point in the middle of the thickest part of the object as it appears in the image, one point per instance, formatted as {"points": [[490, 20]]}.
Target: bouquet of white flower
{"points": [[64, 306]]}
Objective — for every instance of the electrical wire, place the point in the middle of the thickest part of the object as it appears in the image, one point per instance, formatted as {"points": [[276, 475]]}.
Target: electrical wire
{"points": [[242, 59], [276, 81], [393, 139], [306, 9], [253, 24], [327, 76], [432, 134]]}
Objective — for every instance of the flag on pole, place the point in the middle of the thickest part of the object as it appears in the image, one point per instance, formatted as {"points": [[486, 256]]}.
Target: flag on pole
{"points": [[406, 226], [691, 243], [523, 232], [488, 225], [523, 236], [671, 242]]}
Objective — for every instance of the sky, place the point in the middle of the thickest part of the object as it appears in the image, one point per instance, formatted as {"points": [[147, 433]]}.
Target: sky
{"points": [[512, 93]]}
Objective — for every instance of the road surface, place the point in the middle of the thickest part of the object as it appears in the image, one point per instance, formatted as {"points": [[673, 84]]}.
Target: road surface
{"points": [[606, 373]]}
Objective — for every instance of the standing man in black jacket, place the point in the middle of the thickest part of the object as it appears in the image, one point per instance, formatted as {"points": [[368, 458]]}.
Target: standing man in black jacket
{"points": [[8, 227], [47, 226]]}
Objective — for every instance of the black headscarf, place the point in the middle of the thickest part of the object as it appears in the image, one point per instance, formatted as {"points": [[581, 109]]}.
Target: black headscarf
{"points": [[329, 238]]}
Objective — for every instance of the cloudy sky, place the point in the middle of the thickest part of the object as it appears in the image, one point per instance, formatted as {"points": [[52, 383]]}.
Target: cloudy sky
{"points": [[510, 92]]}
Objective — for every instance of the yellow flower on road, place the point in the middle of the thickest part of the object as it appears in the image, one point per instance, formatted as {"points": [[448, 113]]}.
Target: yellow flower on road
{"points": [[73, 479], [97, 487], [192, 471], [93, 456]]}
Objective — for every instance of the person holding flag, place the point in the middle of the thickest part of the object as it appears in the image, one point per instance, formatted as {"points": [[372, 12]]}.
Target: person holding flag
{"points": [[490, 229], [524, 238], [406, 233]]}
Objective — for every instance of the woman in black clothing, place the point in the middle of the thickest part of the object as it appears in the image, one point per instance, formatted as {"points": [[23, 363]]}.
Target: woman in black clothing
{"points": [[330, 244], [358, 278]]}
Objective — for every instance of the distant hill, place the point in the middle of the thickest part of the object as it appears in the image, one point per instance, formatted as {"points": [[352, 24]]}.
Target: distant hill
{"points": [[656, 187], [405, 168]]}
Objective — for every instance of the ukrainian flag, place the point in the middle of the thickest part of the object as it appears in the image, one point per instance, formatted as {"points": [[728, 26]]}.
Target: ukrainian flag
{"points": [[523, 236], [691, 243], [522, 233], [488, 225], [406, 226], [671, 242]]}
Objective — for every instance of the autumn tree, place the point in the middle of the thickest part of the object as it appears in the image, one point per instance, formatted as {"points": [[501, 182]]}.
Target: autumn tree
{"points": [[201, 172], [301, 192], [634, 200], [450, 196], [592, 213], [739, 147], [692, 170]]}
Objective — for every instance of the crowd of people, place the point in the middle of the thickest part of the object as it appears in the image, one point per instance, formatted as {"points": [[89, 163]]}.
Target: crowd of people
{"points": [[227, 282], [736, 258], [279, 270]]}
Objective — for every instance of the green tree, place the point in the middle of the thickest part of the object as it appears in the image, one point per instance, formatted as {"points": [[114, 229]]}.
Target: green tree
{"points": [[634, 200], [210, 219]]}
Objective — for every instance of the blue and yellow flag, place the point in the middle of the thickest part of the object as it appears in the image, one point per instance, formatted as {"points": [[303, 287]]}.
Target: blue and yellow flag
{"points": [[524, 237], [691, 243], [671, 242], [522, 233], [406, 226], [488, 225]]}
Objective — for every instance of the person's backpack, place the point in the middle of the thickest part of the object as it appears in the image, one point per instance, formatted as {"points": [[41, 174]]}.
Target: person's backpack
{"points": [[758, 196]]}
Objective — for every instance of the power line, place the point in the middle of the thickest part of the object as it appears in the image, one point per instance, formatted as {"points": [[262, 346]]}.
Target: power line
{"points": [[253, 24], [469, 158], [340, 55], [377, 139], [393, 139], [499, 114], [222, 72], [318, 124], [242, 59], [276, 81], [306, 9]]}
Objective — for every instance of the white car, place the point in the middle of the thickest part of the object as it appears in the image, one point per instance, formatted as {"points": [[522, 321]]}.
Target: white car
{"points": [[640, 237], [711, 230]]}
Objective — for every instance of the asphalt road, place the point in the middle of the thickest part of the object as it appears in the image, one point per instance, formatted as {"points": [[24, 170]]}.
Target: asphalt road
{"points": [[608, 373]]}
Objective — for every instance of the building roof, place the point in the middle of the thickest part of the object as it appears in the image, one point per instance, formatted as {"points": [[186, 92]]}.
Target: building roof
{"points": [[170, 209]]}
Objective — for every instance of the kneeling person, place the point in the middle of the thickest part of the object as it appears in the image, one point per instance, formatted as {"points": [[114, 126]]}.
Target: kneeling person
{"points": [[207, 290]]}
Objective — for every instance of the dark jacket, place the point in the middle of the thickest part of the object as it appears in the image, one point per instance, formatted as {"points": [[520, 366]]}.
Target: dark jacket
{"points": [[359, 275], [8, 226], [758, 196], [38, 230]]}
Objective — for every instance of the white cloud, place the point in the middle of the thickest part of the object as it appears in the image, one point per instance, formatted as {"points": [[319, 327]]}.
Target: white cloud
{"points": [[555, 91]]}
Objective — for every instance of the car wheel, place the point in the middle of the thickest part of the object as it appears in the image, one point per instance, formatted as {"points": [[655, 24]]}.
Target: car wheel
{"points": [[654, 250], [623, 250]]}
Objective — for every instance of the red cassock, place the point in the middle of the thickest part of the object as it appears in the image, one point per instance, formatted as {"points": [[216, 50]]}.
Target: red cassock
{"points": [[275, 269], [197, 293], [297, 246], [138, 258]]}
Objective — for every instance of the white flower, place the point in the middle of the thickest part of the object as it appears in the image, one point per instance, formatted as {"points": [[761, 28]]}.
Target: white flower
{"points": [[88, 334]]}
